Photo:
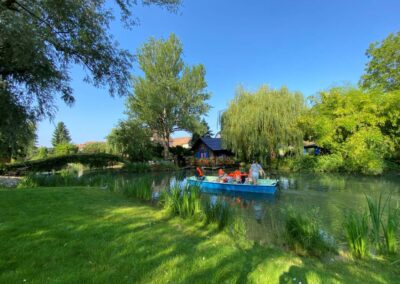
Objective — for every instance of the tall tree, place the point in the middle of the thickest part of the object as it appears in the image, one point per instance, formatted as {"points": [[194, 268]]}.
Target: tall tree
{"points": [[383, 69], [131, 140], [60, 135], [257, 125], [41, 40], [17, 128], [171, 95]]}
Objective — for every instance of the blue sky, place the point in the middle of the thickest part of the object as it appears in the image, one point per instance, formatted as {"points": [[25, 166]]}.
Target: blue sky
{"points": [[306, 45]]}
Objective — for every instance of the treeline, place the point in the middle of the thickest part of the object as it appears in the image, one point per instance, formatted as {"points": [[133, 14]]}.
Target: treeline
{"points": [[356, 127]]}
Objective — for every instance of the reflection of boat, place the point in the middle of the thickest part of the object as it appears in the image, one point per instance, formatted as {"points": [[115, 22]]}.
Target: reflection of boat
{"points": [[268, 186]]}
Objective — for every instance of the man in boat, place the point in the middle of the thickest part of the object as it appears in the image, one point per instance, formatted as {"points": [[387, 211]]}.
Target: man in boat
{"points": [[255, 171], [199, 173]]}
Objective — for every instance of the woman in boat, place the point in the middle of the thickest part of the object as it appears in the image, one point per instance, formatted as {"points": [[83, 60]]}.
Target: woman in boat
{"points": [[255, 171]]}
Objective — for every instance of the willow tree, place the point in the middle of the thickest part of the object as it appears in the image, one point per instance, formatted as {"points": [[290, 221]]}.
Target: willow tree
{"points": [[171, 95], [259, 124]]}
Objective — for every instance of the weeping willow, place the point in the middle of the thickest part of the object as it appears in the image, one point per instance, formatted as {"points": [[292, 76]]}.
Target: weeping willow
{"points": [[260, 124]]}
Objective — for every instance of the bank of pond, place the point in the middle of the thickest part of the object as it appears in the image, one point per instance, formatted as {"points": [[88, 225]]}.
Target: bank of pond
{"points": [[310, 215]]}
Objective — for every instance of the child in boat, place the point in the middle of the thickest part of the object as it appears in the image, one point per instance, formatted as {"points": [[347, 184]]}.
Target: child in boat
{"points": [[222, 176], [199, 173]]}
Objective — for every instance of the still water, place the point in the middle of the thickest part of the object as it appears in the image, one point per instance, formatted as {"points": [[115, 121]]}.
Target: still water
{"points": [[329, 197]]}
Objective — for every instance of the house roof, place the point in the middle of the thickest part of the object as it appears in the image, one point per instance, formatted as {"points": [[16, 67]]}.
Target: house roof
{"points": [[214, 144], [173, 142]]}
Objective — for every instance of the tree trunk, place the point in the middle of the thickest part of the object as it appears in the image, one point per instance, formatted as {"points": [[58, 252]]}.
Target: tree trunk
{"points": [[166, 149]]}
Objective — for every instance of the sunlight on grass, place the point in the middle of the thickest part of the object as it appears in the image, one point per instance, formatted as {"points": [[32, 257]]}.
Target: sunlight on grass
{"points": [[73, 235]]}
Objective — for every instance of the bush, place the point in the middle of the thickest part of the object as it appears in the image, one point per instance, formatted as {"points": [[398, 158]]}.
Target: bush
{"points": [[304, 235], [59, 162], [95, 147], [65, 149]]}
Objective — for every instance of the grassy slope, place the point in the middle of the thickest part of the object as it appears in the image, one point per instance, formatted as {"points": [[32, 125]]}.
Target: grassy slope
{"points": [[81, 235]]}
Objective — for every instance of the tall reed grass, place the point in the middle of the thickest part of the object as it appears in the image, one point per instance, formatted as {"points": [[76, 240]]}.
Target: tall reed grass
{"points": [[183, 201], [218, 212], [375, 209], [356, 229], [303, 233]]}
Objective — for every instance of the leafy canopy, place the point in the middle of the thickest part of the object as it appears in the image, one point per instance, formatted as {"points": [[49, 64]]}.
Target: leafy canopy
{"points": [[360, 126], [131, 140], [383, 69], [171, 95], [41, 40], [60, 135], [259, 124]]}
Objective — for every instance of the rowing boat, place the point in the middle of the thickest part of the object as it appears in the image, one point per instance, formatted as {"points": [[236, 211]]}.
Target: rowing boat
{"points": [[268, 186]]}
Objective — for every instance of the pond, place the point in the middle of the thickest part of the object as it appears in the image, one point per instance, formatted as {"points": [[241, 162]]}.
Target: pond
{"points": [[329, 197]]}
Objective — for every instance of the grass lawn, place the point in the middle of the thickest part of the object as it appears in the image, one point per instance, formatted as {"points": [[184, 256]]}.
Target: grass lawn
{"points": [[88, 235]]}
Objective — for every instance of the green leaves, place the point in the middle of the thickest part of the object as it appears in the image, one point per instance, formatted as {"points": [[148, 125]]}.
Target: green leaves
{"points": [[259, 124], [383, 69], [61, 135]]}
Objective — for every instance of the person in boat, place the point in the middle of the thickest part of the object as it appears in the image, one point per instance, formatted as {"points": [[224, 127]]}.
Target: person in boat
{"points": [[255, 171], [222, 176], [199, 173]]}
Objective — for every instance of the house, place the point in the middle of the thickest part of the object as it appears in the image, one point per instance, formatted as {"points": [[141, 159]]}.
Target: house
{"points": [[184, 142], [210, 148]]}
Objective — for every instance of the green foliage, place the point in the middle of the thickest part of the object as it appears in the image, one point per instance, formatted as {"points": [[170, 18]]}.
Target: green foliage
{"points": [[17, 127], [59, 162], [205, 132], [360, 126], [303, 234], [132, 140], [219, 212], [390, 230], [43, 39], [60, 135], [171, 96], [183, 201], [375, 208], [383, 69], [41, 153], [96, 147], [356, 229], [259, 124], [63, 149]]}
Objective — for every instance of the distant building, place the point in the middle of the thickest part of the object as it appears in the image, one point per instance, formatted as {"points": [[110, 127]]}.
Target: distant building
{"points": [[181, 141], [210, 148]]}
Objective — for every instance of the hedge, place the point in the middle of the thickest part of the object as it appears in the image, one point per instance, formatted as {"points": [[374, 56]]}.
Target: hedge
{"points": [[97, 160]]}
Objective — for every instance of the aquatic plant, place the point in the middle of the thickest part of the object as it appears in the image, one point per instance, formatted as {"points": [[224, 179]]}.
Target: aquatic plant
{"points": [[139, 189], [303, 233], [356, 229], [390, 231], [218, 212], [375, 209], [183, 201]]}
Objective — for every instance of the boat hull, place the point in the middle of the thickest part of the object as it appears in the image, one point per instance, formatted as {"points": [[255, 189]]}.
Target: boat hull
{"points": [[270, 188]]}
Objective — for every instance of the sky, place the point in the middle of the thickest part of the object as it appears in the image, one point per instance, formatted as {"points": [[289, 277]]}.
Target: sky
{"points": [[305, 45]]}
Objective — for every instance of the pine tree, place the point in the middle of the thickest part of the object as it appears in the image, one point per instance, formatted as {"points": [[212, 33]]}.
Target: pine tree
{"points": [[60, 135]]}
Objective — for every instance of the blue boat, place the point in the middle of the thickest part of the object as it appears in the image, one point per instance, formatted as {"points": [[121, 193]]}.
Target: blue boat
{"points": [[268, 186]]}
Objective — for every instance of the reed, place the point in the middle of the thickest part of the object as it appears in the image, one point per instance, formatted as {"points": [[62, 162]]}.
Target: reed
{"points": [[303, 234], [183, 201], [356, 229], [390, 231], [375, 209], [217, 212]]}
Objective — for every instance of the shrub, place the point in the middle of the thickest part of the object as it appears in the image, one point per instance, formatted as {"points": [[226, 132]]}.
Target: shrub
{"points": [[329, 163], [65, 149], [356, 229], [304, 235], [95, 147]]}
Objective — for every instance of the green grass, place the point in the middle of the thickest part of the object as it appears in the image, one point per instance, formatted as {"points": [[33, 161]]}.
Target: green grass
{"points": [[90, 235], [356, 229]]}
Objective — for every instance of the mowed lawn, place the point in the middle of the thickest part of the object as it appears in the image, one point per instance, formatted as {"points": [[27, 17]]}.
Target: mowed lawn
{"points": [[89, 235]]}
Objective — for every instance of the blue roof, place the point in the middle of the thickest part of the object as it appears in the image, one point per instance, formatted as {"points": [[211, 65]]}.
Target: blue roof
{"points": [[214, 144]]}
